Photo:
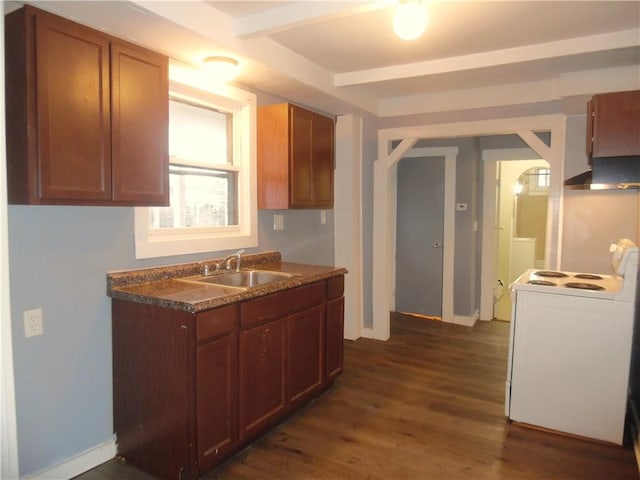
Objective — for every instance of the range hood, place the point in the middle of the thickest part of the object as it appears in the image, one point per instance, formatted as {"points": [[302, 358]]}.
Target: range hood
{"points": [[609, 173]]}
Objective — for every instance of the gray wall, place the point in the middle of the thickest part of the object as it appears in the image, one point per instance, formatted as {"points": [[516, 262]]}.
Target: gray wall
{"points": [[303, 240], [59, 257]]}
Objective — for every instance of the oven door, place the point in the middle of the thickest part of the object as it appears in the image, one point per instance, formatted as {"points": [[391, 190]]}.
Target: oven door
{"points": [[570, 364]]}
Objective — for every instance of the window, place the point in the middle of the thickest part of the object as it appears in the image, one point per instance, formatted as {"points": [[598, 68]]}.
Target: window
{"points": [[211, 176], [202, 177], [543, 178]]}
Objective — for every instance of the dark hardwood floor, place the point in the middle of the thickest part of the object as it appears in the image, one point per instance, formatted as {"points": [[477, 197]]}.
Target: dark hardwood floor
{"points": [[427, 404]]}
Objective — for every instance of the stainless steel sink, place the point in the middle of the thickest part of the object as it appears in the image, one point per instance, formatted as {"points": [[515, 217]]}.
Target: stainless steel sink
{"points": [[241, 279]]}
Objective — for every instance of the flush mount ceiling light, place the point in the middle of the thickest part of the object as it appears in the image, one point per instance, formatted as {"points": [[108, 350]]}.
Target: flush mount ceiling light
{"points": [[410, 19], [222, 69]]}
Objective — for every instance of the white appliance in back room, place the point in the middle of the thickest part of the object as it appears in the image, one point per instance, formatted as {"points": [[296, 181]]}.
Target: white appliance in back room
{"points": [[570, 348]]}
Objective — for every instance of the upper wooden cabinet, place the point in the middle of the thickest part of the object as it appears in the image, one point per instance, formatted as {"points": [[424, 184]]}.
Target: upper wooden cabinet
{"points": [[87, 115], [613, 125], [295, 158]]}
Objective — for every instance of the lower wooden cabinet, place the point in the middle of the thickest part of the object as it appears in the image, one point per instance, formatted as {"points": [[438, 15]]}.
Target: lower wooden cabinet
{"points": [[334, 327], [216, 385], [305, 354], [335, 336], [190, 390], [153, 380], [262, 376]]}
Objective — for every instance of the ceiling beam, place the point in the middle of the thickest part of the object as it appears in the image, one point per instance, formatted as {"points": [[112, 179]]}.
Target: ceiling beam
{"points": [[541, 51], [197, 17], [297, 14]]}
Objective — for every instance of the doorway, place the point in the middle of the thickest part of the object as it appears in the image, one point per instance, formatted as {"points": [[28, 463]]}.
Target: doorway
{"points": [[419, 236], [384, 202], [521, 218]]}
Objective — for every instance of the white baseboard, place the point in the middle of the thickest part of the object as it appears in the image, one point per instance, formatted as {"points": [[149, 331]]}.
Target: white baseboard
{"points": [[367, 333], [79, 463], [468, 321]]}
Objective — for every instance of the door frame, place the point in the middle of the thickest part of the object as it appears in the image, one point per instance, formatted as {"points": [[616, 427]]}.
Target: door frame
{"points": [[384, 243], [450, 155], [490, 159], [385, 185]]}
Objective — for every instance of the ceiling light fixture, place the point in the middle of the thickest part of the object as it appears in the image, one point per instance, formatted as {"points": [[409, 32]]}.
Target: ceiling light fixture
{"points": [[222, 69], [410, 19]]}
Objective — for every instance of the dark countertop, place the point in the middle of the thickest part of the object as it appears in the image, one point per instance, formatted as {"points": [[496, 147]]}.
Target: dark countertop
{"points": [[161, 286]]}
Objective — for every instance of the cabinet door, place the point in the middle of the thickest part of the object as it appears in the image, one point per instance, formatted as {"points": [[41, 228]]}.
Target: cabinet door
{"points": [[300, 155], [335, 337], [323, 161], [217, 399], [73, 127], [616, 128], [140, 122], [305, 340], [153, 387], [262, 376]]}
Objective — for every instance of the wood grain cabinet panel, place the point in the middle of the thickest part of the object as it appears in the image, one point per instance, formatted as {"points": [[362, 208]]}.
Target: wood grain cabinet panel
{"points": [[262, 376], [613, 125], [305, 354], [301, 171], [335, 337], [334, 327], [140, 104], [295, 158], [216, 399], [87, 115], [153, 383]]}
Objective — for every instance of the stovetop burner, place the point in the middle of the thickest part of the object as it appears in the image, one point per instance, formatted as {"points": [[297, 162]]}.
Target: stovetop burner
{"points": [[541, 282], [550, 273], [588, 276], [583, 286]]}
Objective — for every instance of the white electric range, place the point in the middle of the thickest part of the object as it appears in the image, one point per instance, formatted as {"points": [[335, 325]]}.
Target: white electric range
{"points": [[570, 348]]}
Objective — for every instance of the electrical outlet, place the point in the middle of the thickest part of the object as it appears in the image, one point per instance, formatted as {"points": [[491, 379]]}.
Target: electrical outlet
{"points": [[33, 322], [323, 217]]}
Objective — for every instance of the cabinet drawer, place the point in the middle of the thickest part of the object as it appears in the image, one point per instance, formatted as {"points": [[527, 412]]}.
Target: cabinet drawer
{"points": [[261, 310], [335, 287], [217, 322]]}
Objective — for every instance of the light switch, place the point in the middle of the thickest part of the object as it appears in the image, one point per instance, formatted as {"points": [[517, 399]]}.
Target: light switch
{"points": [[278, 222]]}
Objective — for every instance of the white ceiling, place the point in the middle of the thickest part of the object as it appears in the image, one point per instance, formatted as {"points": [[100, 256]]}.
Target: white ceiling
{"points": [[342, 56]]}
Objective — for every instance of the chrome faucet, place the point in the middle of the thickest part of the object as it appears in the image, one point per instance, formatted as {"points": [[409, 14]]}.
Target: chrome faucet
{"points": [[227, 261]]}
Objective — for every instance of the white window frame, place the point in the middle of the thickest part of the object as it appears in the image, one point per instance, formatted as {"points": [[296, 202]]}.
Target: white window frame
{"points": [[193, 86]]}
